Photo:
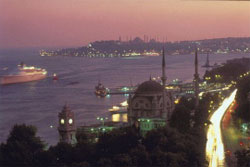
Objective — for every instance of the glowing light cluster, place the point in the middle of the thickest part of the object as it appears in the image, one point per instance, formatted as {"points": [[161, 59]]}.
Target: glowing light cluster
{"points": [[116, 118], [31, 70], [119, 118], [114, 108], [124, 104], [215, 147]]}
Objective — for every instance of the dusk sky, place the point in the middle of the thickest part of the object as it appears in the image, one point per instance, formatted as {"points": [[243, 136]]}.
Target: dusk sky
{"points": [[67, 23]]}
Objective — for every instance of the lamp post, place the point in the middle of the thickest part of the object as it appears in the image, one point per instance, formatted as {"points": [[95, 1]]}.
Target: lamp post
{"points": [[102, 119]]}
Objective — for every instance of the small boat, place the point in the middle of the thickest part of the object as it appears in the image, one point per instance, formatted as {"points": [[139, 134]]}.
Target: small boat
{"points": [[100, 90], [55, 78]]}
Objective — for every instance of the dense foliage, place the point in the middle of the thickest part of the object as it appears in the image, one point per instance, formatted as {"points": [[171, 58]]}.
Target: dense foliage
{"points": [[242, 111], [121, 147], [243, 158], [185, 107], [182, 112], [22, 147], [230, 71]]}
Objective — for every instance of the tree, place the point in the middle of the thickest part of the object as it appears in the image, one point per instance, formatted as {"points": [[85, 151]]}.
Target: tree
{"points": [[168, 147], [225, 74], [181, 113], [121, 147], [82, 137], [243, 158], [242, 110], [122, 160], [104, 162], [21, 147], [118, 141], [202, 113], [62, 154], [140, 156]]}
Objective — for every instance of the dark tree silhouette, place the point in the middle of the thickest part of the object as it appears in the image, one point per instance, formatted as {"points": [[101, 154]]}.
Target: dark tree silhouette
{"points": [[21, 147], [243, 158]]}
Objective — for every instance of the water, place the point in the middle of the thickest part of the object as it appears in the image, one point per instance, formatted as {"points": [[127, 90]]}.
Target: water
{"points": [[38, 103]]}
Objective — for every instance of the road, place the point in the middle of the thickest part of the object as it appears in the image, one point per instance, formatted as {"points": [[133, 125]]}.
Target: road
{"points": [[215, 147]]}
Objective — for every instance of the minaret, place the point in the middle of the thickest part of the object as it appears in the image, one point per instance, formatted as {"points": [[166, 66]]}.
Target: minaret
{"points": [[196, 81], [163, 78], [67, 129], [150, 77], [130, 114], [207, 63]]}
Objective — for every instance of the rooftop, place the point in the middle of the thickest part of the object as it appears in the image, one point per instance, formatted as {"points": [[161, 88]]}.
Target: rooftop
{"points": [[149, 87]]}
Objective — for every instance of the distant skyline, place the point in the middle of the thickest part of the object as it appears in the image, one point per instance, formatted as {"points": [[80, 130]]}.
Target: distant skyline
{"points": [[69, 23]]}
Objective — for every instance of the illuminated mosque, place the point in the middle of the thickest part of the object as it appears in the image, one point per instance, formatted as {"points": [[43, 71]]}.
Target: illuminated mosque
{"points": [[151, 100]]}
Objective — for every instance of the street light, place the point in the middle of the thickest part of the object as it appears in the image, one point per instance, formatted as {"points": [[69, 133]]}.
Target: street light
{"points": [[102, 119]]}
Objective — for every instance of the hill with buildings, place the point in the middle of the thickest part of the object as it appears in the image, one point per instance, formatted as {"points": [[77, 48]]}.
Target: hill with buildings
{"points": [[152, 47]]}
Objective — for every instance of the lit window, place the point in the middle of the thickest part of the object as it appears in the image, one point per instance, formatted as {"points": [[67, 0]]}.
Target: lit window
{"points": [[70, 121], [62, 121]]}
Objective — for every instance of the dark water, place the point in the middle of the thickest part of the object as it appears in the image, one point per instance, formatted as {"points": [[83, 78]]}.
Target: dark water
{"points": [[38, 103]]}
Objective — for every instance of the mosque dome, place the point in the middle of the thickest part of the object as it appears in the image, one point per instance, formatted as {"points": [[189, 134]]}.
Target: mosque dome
{"points": [[149, 87]]}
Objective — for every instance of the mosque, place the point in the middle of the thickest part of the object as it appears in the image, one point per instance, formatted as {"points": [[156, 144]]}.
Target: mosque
{"points": [[151, 101]]}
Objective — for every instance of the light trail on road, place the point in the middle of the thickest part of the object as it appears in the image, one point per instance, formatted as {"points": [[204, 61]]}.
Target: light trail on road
{"points": [[215, 147]]}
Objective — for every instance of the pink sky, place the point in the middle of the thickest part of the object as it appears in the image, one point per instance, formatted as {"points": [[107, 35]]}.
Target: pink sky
{"points": [[55, 23]]}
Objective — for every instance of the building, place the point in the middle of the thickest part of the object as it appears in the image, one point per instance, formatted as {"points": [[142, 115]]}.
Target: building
{"points": [[148, 124], [96, 130], [67, 128], [151, 100]]}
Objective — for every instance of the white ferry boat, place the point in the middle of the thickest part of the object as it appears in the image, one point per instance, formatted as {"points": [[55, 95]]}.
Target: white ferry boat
{"points": [[24, 74]]}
